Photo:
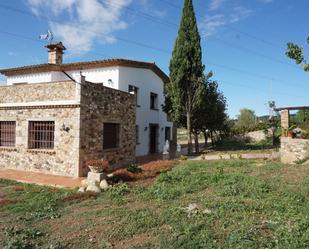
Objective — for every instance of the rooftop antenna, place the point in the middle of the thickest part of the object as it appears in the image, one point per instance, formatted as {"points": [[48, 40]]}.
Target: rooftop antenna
{"points": [[47, 37]]}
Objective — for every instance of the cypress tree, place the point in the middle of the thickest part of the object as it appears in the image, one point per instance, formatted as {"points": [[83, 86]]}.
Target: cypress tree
{"points": [[186, 72]]}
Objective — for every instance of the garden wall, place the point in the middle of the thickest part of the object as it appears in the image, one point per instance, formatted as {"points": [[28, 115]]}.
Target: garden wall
{"points": [[293, 150]]}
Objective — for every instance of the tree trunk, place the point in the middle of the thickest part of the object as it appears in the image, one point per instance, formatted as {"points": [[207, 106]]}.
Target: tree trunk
{"points": [[197, 147], [212, 140], [189, 134], [206, 138]]}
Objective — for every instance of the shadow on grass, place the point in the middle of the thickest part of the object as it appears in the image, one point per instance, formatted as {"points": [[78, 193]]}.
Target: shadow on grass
{"points": [[234, 145]]}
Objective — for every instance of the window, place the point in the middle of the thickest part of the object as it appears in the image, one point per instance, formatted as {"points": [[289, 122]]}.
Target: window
{"points": [[41, 134], [153, 101], [110, 136], [134, 90], [167, 133], [7, 133], [137, 134]]}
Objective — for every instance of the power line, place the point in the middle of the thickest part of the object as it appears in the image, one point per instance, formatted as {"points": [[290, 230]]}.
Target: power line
{"points": [[228, 26], [247, 50], [260, 76], [85, 30], [208, 62]]}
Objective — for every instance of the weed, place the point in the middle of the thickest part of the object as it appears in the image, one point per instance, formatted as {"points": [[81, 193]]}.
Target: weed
{"points": [[21, 238], [183, 158], [134, 168], [78, 197], [117, 192]]}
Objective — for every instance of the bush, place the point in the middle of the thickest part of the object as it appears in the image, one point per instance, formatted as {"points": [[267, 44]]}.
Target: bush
{"points": [[98, 165], [134, 168], [305, 134]]}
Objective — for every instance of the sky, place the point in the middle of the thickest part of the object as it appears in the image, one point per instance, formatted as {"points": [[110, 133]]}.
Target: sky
{"points": [[243, 41]]}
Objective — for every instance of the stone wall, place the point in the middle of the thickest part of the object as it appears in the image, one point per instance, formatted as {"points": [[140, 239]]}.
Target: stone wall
{"points": [[293, 150], [38, 92], [100, 104], [84, 138], [62, 160], [257, 136]]}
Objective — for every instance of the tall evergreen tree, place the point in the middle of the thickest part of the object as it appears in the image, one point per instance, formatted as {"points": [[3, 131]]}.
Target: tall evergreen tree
{"points": [[186, 72]]}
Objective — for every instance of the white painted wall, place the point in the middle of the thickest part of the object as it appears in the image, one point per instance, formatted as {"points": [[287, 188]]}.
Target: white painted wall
{"points": [[30, 78], [146, 80]]}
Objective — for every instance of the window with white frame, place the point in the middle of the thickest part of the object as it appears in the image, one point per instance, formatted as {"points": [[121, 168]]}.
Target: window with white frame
{"points": [[137, 134], [153, 101], [134, 90]]}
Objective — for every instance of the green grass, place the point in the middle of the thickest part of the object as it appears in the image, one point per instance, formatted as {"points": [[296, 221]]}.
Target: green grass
{"points": [[249, 204]]}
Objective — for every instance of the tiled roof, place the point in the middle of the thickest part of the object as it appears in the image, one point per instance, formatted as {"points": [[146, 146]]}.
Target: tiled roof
{"points": [[39, 68]]}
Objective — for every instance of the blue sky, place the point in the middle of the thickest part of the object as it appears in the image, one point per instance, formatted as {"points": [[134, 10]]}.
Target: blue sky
{"points": [[243, 41]]}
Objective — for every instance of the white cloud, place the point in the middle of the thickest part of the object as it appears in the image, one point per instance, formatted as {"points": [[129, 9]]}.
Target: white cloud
{"points": [[239, 13], [212, 23], [87, 21], [215, 4]]}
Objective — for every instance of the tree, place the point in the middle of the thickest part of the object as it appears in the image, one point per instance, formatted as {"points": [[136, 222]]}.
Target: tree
{"points": [[296, 53], [184, 93], [246, 120], [302, 119], [210, 117]]}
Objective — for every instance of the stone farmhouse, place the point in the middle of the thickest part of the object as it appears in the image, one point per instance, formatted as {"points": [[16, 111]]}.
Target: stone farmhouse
{"points": [[55, 116]]}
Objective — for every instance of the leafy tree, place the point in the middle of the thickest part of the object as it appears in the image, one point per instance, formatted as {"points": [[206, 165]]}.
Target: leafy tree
{"points": [[296, 53], [302, 119], [211, 117], [246, 120], [185, 90]]}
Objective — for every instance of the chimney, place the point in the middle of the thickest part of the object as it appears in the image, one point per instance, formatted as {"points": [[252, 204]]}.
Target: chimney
{"points": [[55, 53]]}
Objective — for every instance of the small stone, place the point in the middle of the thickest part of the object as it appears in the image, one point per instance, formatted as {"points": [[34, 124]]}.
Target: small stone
{"points": [[207, 211], [84, 183], [82, 189], [103, 184], [93, 188]]}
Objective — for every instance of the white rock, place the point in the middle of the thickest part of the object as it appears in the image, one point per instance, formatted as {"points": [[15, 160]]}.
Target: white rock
{"points": [[93, 188], [207, 211], [84, 183], [103, 184], [82, 189]]}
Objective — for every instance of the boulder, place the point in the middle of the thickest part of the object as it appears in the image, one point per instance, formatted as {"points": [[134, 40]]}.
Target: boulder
{"points": [[93, 188], [103, 185], [82, 189]]}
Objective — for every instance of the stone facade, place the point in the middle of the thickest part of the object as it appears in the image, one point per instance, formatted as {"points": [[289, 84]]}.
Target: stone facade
{"points": [[100, 105], [38, 92], [285, 119], [82, 138], [293, 150], [62, 160]]}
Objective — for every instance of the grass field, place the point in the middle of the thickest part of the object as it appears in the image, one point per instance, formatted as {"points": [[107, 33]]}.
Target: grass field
{"points": [[234, 204]]}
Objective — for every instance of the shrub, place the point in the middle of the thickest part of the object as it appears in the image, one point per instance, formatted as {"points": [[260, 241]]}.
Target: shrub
{"points": [[183, 158], [305, 134], [98, 165], [134, 168]]}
